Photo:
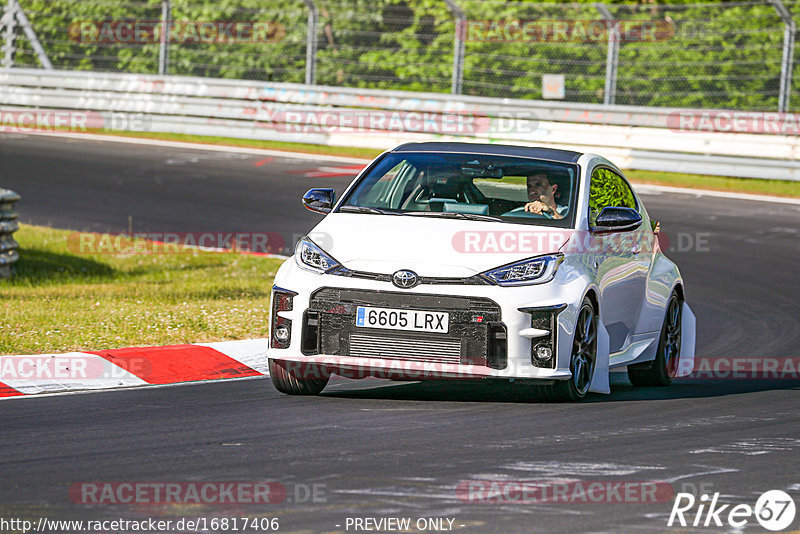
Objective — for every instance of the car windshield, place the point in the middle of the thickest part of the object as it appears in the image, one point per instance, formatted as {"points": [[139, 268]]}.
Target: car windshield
{"points": [[468, 186]]}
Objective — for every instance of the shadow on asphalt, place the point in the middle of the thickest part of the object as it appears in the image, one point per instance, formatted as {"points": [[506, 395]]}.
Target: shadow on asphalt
{"points": [[496, 391]]}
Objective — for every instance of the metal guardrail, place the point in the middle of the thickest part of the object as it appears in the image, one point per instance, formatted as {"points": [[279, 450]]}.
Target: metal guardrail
{"points": [[8, 225], [637, 53], [634, 137]]}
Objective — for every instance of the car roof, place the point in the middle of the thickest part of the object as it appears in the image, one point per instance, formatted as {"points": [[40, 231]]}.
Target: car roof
{"points": [[552, 154]]}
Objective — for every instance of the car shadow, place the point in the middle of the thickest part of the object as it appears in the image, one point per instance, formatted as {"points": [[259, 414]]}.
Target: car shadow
{"points": [[502, 391], [35, 266]]}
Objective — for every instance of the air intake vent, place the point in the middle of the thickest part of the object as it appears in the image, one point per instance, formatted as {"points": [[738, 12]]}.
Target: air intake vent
{"points": [[393, 348]]}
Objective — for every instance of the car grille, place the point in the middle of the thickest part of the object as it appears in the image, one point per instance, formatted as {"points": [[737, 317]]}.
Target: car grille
{"points": [[476, 334], [404, 348]]}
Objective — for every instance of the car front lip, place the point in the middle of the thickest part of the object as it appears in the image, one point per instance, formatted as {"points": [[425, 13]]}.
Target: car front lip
{"points": [[510, 300], [360, 367]]}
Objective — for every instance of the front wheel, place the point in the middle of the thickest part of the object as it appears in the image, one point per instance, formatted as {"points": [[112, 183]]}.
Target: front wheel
{"points": [[663, 369], [303, 379], [582, 360]]}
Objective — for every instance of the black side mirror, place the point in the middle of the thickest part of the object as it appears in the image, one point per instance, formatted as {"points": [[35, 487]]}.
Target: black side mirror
{"points": [[319, 200], [613, 219]]}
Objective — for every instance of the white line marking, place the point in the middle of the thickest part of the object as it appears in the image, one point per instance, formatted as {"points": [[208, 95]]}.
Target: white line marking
{"points": [[752, 447], [553, 468], [646, 188], [132, 388], [201, 146], [714, 471], [640, 187]]}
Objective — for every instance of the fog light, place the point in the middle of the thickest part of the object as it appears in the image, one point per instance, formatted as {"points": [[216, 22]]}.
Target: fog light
{"points": [[282, 333], [543, 353]]}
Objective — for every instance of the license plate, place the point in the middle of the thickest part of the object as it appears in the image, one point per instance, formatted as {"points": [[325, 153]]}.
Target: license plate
{"points": [[414, 320]]}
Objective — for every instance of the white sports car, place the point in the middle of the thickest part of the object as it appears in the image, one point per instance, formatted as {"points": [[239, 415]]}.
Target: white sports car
{"points": [[460, 260]]}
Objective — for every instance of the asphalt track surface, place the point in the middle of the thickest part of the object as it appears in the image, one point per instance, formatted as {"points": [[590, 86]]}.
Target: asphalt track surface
{"points": [[387, 449]]}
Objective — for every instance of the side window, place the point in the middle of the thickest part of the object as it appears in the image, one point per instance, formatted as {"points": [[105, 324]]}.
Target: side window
{"points": [[608, 189]]}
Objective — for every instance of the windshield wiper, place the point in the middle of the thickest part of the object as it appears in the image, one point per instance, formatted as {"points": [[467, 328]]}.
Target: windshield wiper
{"points": [[367, 209], [454, 215]]}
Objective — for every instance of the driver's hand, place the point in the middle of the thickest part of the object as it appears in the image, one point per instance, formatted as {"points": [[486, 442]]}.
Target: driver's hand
{"points": [[537, 206]]}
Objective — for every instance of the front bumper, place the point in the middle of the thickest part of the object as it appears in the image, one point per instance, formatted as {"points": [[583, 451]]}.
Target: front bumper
{"points": [[378, 352]]}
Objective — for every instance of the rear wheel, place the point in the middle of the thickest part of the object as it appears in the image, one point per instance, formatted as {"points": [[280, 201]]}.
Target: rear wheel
{"points": [[303, 379], [582, 360], [663, 369]]}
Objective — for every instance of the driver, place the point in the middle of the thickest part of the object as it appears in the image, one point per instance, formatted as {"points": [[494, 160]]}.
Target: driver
{"points": [[542, 195]]}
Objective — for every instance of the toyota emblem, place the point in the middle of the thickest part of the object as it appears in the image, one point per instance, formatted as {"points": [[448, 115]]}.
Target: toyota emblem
{"points": [[405, 279]]}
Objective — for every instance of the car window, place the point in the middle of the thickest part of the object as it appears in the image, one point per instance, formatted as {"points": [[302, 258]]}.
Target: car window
{"points": [[608, 189], [470, 185]]}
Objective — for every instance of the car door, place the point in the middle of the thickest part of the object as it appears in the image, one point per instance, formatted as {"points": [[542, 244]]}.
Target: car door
{"points": [[621, 273]]}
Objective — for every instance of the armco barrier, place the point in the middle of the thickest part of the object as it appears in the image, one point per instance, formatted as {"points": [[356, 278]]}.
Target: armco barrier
{"points": [[632, 137], [8, 225]]}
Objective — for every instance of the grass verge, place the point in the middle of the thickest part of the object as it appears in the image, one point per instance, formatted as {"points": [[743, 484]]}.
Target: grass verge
{"points": [[755, 186], [63, 301], [783, 188]]}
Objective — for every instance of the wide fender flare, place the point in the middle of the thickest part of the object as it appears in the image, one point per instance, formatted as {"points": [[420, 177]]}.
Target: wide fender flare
{"points": [[688, 337], [600, 383]]}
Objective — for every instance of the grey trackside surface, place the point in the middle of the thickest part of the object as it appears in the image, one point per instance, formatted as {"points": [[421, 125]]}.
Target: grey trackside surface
{"points": [[391, 449]]}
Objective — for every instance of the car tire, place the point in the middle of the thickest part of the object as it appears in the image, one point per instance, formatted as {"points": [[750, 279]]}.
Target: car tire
{"points": [[662, 370], [582, 359], [288, 382]]}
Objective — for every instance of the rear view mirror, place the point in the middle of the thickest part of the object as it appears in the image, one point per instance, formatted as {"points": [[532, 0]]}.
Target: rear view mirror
{"points": [[319, 200], [613, 219], [474, 169]]}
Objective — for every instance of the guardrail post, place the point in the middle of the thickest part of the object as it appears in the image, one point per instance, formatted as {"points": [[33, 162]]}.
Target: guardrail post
{"points": [[9, 22], [311, 43], [8, 225], [31, 35], [612, 58], [789, 30], [163, 49], [458, 47]]}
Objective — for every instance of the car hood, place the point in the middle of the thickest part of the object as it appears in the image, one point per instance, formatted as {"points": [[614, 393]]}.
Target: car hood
{"points": [[430, 246]]}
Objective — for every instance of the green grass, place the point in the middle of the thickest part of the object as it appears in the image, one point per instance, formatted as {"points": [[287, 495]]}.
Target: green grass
{"points": [[784, 188], [781, 188], [61, 300]]}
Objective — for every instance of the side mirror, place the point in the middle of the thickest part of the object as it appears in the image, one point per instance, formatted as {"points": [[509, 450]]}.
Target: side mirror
{"points": [[319, 200], [613, 219]]}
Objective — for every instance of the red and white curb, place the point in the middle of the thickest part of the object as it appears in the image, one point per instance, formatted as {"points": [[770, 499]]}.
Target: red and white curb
{"points": [[131, 367]]}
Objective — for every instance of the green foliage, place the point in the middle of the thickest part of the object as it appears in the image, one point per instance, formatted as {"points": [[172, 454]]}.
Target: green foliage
{"points": [[608, 189], [711, 55]]}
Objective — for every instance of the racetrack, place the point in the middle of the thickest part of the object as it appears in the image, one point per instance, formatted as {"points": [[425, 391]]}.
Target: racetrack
{"points": [[382, 448]]}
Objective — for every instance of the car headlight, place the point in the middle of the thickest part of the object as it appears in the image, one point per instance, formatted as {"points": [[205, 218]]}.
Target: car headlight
{"points": [[311, 257], [537, 270]]}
